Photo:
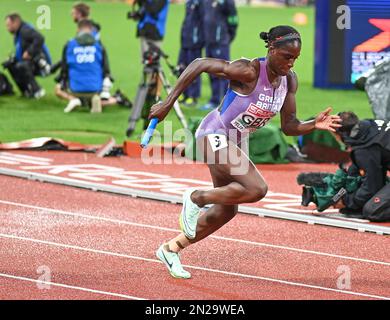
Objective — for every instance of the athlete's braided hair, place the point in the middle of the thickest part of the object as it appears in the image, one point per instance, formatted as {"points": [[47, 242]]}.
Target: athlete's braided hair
{"points": [[279, 35]]}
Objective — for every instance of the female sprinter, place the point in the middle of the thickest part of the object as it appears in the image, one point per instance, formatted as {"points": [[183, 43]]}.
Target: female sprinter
{"points": [[258, 90]]}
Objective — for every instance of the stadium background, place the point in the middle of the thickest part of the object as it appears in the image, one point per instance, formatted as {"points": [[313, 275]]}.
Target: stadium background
{"points": [[24, 119]]}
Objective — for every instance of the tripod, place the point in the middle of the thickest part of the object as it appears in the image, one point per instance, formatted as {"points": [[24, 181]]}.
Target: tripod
{"points": [[148, 94]]}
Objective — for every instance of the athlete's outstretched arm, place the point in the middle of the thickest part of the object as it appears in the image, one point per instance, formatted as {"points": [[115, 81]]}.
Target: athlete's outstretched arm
{"points": [[291, 126], [240, 70]]}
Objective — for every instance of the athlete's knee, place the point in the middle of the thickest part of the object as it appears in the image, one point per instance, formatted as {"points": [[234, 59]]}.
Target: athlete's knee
{"points": [[258, 192]]}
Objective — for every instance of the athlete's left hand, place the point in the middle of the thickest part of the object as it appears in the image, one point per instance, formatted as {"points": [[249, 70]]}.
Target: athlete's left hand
{"points": [[326, 121]]}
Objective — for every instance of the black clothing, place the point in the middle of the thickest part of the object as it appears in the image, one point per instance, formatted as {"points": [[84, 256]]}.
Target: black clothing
{"points": [[22, 73], [5, 85], [153, 15], [191, 34], [154, 7], [96, 26], [30, 40], [220, 21], [370, 143], [27, 39]]}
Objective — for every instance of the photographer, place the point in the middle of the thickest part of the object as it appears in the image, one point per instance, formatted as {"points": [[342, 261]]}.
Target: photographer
{"points": [[31, 59], [362, 191], [152, 17], [84, 68], [369, 141]]}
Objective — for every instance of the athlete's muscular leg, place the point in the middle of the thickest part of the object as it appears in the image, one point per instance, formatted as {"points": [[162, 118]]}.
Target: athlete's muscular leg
{"points": [[213, 219], [229, 190], [243, 182], [217, 215]]}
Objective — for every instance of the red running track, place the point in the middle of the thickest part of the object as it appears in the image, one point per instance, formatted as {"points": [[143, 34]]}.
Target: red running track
{"points": [[89, 245]]}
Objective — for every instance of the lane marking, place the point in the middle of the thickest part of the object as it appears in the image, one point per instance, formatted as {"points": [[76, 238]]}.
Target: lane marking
{"points": [[121, 255], [61, 285], [18, 161], [166, 194], [260, 244], [24, 156], [7, 161]]}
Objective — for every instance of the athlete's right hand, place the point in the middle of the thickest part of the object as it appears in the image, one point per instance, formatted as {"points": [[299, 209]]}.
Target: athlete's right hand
{"points": [[159, 110]]}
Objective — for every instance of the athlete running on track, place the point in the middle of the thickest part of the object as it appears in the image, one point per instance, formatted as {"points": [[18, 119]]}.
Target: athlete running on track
{"points": [[258, 90]]}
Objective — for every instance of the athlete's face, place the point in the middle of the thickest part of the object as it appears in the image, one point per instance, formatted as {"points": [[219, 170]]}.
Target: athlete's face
{"points": [[282, 59]]}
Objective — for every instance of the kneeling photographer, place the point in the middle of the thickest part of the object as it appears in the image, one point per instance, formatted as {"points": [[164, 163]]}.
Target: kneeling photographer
{"points": [[152, 17], [363, 191], [85, 74], [31, 58]]}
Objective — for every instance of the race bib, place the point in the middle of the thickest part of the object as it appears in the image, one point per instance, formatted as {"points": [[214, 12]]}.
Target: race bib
{"points": [[217, 141], [252, 119]]}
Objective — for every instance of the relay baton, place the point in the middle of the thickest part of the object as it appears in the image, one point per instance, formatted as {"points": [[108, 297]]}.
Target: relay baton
{"points": [[149, 132]]}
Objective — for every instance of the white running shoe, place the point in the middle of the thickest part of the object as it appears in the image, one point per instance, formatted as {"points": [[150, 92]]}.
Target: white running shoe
{"points": [[172, 261], [189, 215], [72, 104]]}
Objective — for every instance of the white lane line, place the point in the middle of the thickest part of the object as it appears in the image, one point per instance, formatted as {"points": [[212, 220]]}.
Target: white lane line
{"points": [[21, 160], [8, 161], [260, 244], [61, 285], [23, 156], [242, 275]]}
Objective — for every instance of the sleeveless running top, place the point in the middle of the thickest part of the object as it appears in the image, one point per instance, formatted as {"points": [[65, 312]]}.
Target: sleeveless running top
{"points": [[238, 114]]}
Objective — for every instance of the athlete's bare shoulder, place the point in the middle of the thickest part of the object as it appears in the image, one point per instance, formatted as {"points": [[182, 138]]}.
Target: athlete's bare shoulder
{"points": [[292, 81], [242, 61], [248, 69], [248, 63]]}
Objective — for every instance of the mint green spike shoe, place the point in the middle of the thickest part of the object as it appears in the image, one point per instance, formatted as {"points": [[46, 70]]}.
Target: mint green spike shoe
{"points": [[172, 261], [189, 215]]}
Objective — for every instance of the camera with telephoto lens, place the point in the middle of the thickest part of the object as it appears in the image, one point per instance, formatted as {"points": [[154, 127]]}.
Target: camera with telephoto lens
{"points": [[327, 189]]}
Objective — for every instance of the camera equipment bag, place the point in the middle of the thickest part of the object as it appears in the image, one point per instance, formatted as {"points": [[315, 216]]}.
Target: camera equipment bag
{"points": [[334, 187]]}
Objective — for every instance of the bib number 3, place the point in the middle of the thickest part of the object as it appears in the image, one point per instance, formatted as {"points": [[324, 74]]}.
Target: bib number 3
{"points": [[217, 141]]}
